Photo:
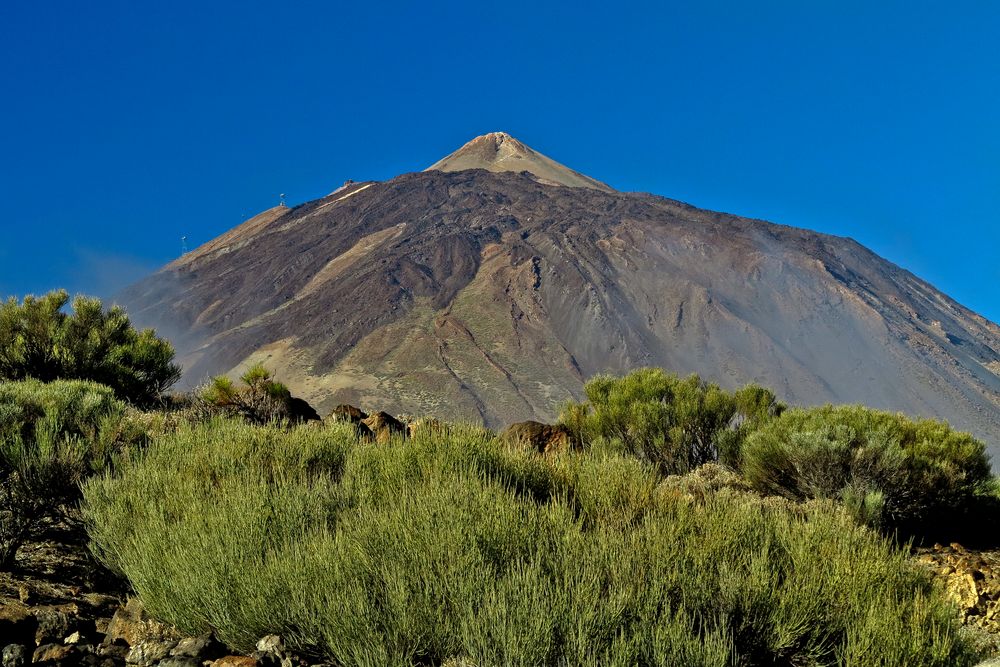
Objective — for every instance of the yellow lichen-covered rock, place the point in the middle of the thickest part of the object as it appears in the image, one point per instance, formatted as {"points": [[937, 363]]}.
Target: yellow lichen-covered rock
{"points": [[961, 588]]}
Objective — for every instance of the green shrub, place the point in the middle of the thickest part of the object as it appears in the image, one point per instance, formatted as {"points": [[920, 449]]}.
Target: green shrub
{"points": [[676, 423], [452, 546], [39, 340], [885, 467], [52, 436], [260, 399]]}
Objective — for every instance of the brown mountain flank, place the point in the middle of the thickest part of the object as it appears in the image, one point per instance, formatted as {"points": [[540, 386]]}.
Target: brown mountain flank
{"points": [[480, 290]]}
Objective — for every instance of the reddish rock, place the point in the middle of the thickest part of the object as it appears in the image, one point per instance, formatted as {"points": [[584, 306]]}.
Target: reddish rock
{"points": [[52, 653], [236, 661], [352, 415], [347, 413], [538, 436], [384, 426]]}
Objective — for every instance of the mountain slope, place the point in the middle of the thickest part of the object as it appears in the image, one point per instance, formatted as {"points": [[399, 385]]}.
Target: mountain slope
{"points": [[492, 295], [498, 151]]}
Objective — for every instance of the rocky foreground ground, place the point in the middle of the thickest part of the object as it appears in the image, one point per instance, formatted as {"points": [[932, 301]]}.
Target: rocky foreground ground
{"points": [[971, 579], [60, 608]]}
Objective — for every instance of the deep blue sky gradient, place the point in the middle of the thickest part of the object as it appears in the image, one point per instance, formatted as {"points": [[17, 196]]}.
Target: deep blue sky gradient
{"points": [[126, 125]]}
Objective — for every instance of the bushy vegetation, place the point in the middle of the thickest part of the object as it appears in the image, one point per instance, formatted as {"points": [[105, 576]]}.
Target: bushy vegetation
{"points": [[39, 340], [451, 545], [918, 477], [52, 437], [887, 468], [258, 398], [677, 423]]}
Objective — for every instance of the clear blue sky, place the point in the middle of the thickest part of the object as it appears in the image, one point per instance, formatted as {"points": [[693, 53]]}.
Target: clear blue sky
{"points": [[126, 125]]}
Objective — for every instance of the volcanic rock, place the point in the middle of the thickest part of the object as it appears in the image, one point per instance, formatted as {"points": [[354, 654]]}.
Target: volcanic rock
{"points": [[540, 437], [384, 426], [348, 413], [491, 286]]}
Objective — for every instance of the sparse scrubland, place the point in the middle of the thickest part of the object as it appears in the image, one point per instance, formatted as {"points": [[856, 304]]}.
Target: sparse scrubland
{"points": [[886, 469], [679, 524], [455, 546]]}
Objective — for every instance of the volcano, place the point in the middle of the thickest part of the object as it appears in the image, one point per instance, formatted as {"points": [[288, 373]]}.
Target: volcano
{"points": [[498, 151], [492, 285]]}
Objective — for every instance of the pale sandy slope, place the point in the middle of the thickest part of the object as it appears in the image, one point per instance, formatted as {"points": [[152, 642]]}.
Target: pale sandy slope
{"points": [[498, 151]]}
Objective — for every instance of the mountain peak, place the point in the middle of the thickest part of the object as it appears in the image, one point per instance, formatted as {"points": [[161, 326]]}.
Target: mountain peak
{"points": [[499, 151]]}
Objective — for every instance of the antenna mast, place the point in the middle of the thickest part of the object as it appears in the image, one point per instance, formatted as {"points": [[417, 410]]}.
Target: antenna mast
{"points": [[282, 204], [184, 245]]}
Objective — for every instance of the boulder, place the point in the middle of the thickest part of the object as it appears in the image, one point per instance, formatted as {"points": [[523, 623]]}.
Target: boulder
{"points": [[384, 426], [205, 647], [347, 413], [971, 580], [362, 432], [149, 652], [17, 624], [94, 660], [132, 625], [182, 661], [538, 436], [54, 654], [14, 655], [115, 652], [962, 590], [271, 644], [356, 416], [53, 623], [300, 411]]}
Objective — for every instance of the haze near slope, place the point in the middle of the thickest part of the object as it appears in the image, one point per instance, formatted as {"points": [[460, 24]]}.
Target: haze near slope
{"points": [[491, 296]]}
